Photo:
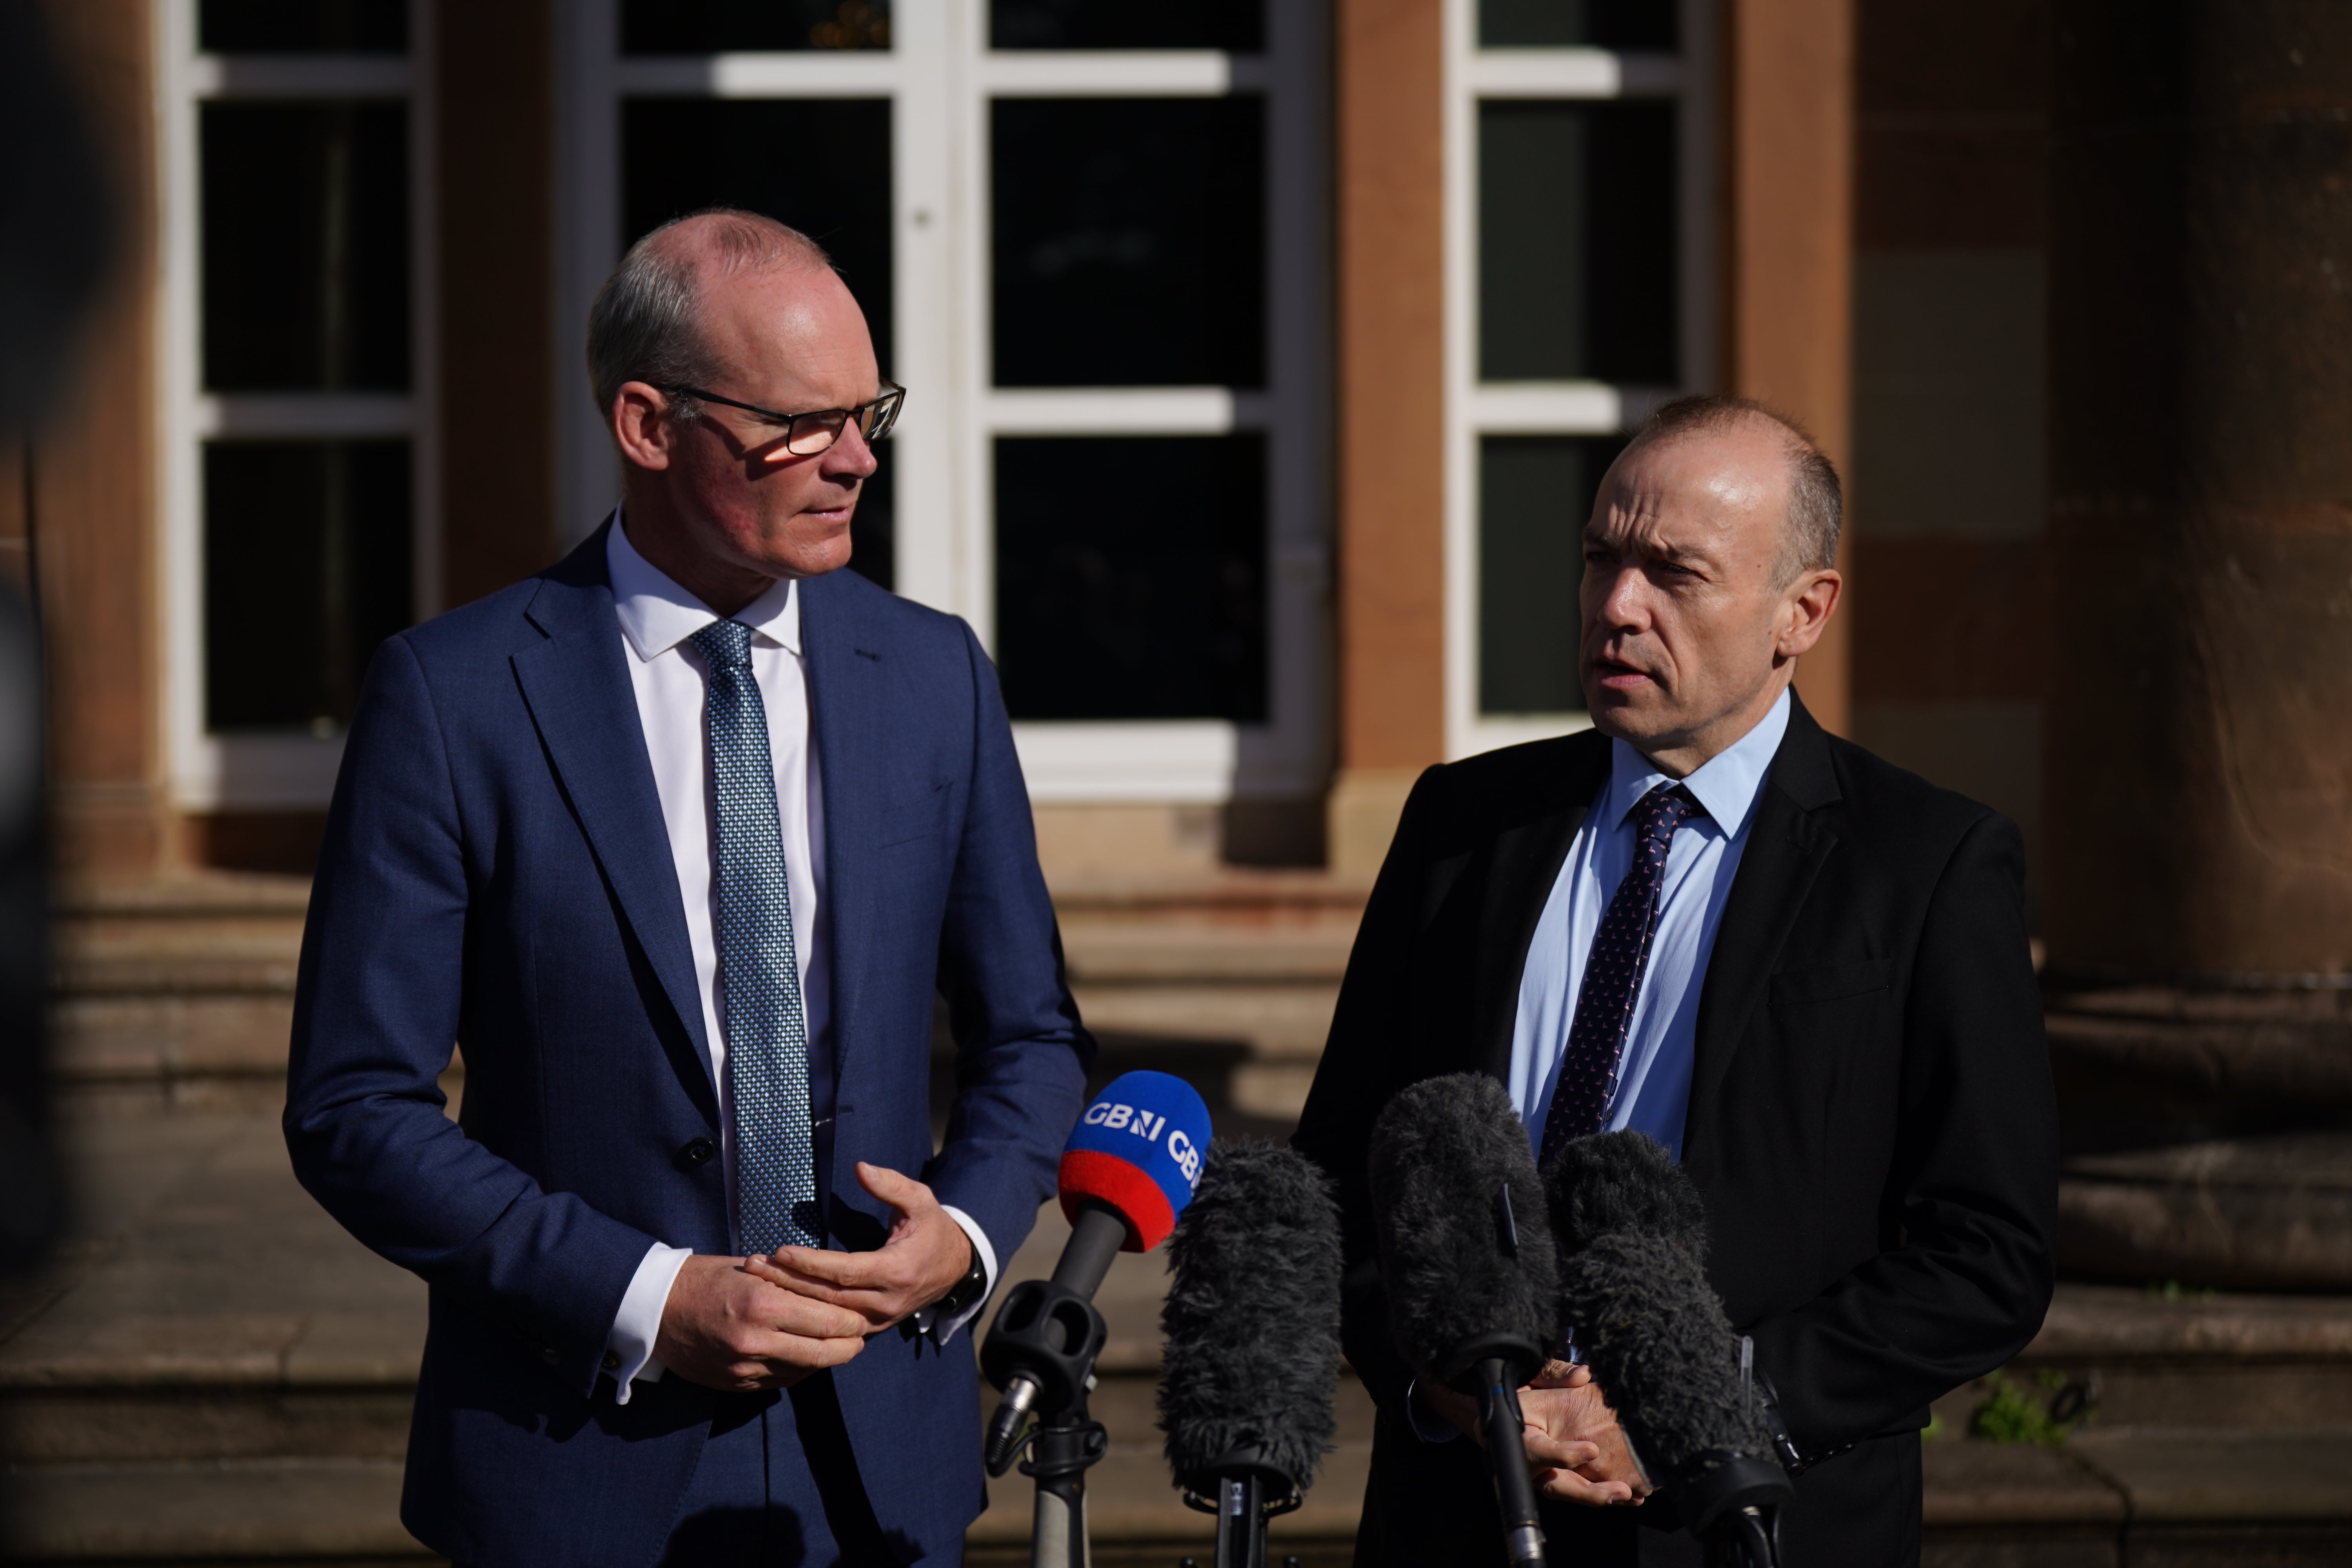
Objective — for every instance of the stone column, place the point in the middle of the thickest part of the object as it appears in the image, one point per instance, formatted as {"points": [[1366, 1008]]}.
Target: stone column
{"points": [[2199, 723], [2199, 738]]}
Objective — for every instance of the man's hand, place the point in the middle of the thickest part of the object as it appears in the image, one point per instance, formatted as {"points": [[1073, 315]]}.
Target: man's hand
{"points": [[1575, 1449], [724, 1328], [926, 1254]]}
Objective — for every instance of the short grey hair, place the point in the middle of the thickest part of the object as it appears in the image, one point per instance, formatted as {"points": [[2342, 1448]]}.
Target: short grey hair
{"points": [[1809, 536], [647, 322]]}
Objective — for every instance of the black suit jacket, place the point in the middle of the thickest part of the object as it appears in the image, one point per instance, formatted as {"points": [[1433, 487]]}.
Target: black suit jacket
{"points": [[1871, 1121]]}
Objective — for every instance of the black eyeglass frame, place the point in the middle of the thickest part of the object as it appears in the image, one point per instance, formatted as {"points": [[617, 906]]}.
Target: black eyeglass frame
{"points": [[874, 419]]}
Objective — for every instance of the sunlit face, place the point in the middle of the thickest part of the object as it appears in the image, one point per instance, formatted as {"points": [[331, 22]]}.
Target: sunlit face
{"points": [[1685, 626], [793, 341]]}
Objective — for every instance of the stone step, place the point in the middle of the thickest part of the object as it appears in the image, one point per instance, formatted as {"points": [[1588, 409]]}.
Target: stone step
{"points": [[284, 1512], [2138, 1359], [175, 995], [179, 995], [2256, 1212], [2185, 1499]]}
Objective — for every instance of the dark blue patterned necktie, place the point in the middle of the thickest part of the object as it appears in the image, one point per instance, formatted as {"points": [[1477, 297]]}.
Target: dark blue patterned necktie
{"points": [[1612, 975], [767, 1033]]}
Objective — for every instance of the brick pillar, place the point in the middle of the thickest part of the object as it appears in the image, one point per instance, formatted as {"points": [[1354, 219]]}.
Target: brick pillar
{"points": [[88, 492], [495, 161], [1788, 246], [1388, 68]]}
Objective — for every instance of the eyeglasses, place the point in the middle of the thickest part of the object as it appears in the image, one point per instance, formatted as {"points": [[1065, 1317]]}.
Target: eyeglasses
{"points": [[806, 435]]}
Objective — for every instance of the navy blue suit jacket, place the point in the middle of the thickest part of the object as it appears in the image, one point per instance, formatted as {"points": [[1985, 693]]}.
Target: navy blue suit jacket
{"points": [[497, 874]]}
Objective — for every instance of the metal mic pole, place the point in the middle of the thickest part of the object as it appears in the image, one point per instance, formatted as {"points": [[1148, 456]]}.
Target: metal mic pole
{"points": [[1499, 1417]]}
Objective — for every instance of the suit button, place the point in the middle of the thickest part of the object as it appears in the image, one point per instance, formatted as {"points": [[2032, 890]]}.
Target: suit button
{"points": [[547, 1354], [612, 1362], [695, 1153]]}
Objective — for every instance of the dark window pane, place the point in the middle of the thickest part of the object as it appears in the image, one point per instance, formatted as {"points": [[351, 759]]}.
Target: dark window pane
{"points": [[306, 571], [1235, 25], [1129, 241], [1534, 493], [304, 26], [1596, 24], [1577, 265], [1130, 576], [873, 533], [821, 164], [718, 26], [305, 246]]}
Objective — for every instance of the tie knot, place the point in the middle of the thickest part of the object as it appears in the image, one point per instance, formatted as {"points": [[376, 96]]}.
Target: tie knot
{"points": [[726, 645], [1657, 813]]}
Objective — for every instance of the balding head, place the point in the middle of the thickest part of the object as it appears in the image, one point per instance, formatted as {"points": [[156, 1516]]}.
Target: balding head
{"points": [[712, 342], [1815, 504], [1706, 574], [647, 321]]}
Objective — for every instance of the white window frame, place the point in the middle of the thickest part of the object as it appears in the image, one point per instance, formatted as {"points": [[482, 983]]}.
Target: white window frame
{"points": [[292, 771], [1476, 408], [939, 76]]}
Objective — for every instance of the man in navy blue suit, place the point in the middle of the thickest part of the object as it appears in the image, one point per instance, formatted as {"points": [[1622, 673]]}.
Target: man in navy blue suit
{"points": [[677, 841]]}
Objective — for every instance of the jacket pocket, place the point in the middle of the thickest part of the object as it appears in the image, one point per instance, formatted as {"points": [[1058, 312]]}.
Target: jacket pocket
{"points": [[1832, 982], [914, 816]]}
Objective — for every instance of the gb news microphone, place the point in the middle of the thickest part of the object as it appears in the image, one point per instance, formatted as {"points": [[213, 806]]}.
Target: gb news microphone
{"points": [[1126, 1172], [1466, 1255], [1252, 1321], [1632, 1234]]}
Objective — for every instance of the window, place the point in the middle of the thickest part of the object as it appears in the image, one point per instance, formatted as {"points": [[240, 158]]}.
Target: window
{"points": [[1089, 239], [298, 360], [1577, 301]]}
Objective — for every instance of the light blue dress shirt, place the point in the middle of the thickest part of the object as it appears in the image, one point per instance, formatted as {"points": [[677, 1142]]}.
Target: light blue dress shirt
{"points": [[1653, 1076]]}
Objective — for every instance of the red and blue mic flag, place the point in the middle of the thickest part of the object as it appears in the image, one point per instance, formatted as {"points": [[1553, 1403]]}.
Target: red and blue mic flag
{"points": [[1138, 1149]]}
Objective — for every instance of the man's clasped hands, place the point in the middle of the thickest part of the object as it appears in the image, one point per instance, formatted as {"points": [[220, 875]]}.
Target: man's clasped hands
{"points": [[1576, 1450], [745, 1323]]}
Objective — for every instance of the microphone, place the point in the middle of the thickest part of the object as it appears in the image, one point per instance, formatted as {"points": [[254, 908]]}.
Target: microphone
{"points": [[1631, 1232], [1252, 1323], [1466, 1253], [1126, 1173]]}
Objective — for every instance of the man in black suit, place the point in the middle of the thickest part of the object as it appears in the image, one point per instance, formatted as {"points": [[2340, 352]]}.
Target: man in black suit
{"points": [[1800, 968]]}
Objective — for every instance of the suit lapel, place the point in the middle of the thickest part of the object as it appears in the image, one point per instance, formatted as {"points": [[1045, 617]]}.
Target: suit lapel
{"points": [[846, 705], [577, 686], [1527, 856], [1786, 847]]}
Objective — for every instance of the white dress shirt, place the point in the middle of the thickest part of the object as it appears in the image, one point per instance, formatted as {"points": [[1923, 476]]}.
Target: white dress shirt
{"points": [[1653, 1074], [670, 680]]}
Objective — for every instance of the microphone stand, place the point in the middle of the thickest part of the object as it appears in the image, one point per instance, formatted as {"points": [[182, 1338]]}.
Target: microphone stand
{"points": [[1504, 1426], [1041, 1352], [1062, 1447], [1242, 1491]]}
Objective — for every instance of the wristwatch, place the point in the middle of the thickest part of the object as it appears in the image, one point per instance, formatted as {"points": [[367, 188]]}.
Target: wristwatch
{"points": [[966, 1292], [1793, 1460]]}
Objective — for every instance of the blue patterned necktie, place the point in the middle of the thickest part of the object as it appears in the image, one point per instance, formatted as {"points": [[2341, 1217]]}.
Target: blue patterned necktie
{"points": [[1612, 976], [767, 1033]]}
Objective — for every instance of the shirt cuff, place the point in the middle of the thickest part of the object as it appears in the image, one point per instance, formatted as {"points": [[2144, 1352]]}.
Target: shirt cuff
{"points": [[629, 1348], [1427, 1426], [927, 1320]]}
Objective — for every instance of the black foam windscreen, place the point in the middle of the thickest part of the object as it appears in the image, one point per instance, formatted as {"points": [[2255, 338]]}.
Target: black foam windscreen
{"points": [[1463, 1267], [1623, 1182], [1633, 1289], [1252, 1318]]}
